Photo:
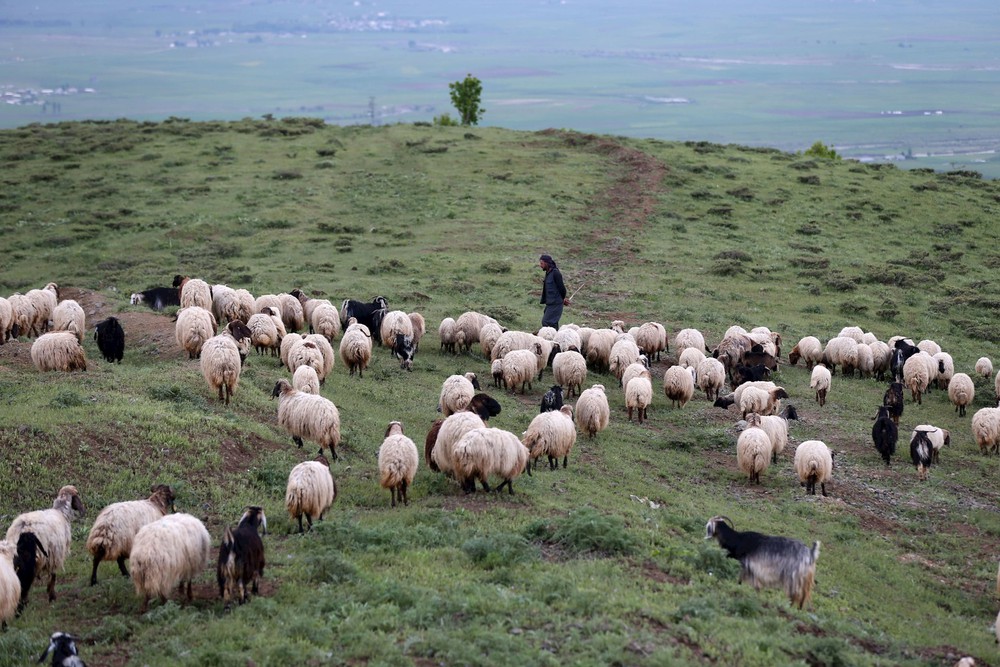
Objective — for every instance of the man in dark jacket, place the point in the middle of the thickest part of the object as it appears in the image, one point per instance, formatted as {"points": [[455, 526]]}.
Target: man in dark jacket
{"points": [[553, 292]]}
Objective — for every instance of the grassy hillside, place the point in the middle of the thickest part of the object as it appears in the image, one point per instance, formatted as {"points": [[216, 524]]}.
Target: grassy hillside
{"points": [[602, 562]]}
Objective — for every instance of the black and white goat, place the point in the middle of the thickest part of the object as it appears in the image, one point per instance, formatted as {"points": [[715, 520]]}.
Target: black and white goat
{"points": [[63, 649], [921, 452], [110, 339], [766, 560], [157, 298], [404, 349], [369, 314], [241, 557], [900, 354], [552, 400], [885, 434]]}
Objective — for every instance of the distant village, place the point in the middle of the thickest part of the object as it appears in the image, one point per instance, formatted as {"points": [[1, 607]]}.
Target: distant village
{"points": [[41, 96]]}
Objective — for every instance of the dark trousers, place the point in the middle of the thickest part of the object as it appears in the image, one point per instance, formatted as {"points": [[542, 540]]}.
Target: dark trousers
{"points": [[550, 318]]}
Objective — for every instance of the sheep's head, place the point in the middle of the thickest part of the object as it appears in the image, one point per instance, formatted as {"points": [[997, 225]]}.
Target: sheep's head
{"points": [[163, 495], [281, 387], [394, 427], [69, 497]]}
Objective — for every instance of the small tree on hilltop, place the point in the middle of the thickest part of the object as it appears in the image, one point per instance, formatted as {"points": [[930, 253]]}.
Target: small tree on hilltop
{"points": [[466, 96], [819, 149]]}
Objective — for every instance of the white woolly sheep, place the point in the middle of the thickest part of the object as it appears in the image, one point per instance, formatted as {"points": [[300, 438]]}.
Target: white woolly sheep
{"points": [[397, 462], [944, 376], [548, 333], [567, 338], [10, 585], [543, 352], [639, 396], [245, 305], [69, 316], [6, 320], [221, 361], [731, 350], [307, 353], [961, 392], [469, 324], [868, 338], [820, 382], [841, 351], [735, 330], [761, 401], [194, 326], [306, 380], [310, 492], [776, 427], [224, 303], [291, 312], [678, 385], [939, 437], [570, 370], [58, 351], [322, 344], [509, 341], [325, 320], [996, 387], [395, 322], [264, 334], [356, 347], [23, 311], [114, 530], [690, 357], [592, 410], [551, 434], [44, 301], [686, 338], [419, 328], [986, 429], [651, 338], [881, 358], [288, 341], [929, 346], [267, 301], [496, 370], [489, 334], [710, 376], [753, 452], [168, 552], [52, 528], [984, 367], [599, 345], [193, 292], [916, 376], [457, 391], [623, 353], [488, 451], [865, 361], [450, 431], [814, 465], [307, 417], [855, 333], [447, 334], [640, 367], [309, 306], [519, 368]]}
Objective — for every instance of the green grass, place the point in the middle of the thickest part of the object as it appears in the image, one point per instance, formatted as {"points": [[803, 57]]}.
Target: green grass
{"points": [[602, 562]]}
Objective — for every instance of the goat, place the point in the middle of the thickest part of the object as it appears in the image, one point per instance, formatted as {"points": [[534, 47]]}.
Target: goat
{"points": [[403, 348], [921, 452], [241, 557], [157, 298], [368, 314], [62, 646], [893, 399], [885, 433], [767, 560], [900, 354], [552, 400], [110, 339], [749, 373]]}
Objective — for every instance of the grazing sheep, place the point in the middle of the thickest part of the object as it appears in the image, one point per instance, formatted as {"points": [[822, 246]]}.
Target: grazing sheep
{"points": [[916, 377], [767, 560], [241, 558], [305, 379], [489, 334], [69, 316], [6, 320], [292, 314], [397, 462], [753, 452], [855, 333], [984, 367], [865, 360], [652, 339], [356, 348], [638, 396], [841, 351], [157, 298], [496, 370], [169, 551], [731, 350], [690, 357], [566, 338], [451, 431], [195, 325], [307, 353], [110, 339], [395, 322], [881, 359], [776, 427], [761, 401], [623, 353], [325, 320], [569, 370], [939, 437], [686, 338], [44, 300], [309, 306], [264, 334], [447, 334], [58, 351], [921, 452], [287, 343], [678, 385], [265, 301], [23, 311], [456, 392], [419, 328], [961, 392], [885, 433], [996, 387], [928, 346], [592, 410], [814, 464], [946, 369], [193, 292], [488, 451], [548, 333], [225, 305], [307, 416], [809, 349], [598, 352], [52, 528], [519, 368], [514, 340], [114, 530], [310, 492], [551, 434], [221, 361], [468, 326], [322, 344], [710, 377], [820, 382], [986, 429]]}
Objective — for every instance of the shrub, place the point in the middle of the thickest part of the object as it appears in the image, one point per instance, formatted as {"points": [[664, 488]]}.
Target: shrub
{"points": [[585, 531]]}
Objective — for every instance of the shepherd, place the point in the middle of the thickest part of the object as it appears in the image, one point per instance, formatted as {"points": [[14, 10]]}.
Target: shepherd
{"points": [[553, 292]]}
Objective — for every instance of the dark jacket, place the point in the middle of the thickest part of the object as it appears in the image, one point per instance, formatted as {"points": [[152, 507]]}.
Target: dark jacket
{"points": [[553, 290]]}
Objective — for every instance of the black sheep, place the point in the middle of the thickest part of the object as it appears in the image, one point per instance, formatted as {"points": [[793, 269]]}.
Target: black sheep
{"points": [[885, 434], [110, 339], [241, 557]]}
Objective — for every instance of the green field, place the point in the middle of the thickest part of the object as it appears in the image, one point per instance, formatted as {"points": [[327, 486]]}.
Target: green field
{"points": [[876, 80], [600, 563]]}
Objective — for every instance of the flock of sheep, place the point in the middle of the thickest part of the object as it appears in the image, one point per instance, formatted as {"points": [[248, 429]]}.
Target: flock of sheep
{"points": [[166, 549]]}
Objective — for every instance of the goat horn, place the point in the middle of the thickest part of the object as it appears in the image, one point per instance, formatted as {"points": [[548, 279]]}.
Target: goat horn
{"points": [[727, 520]]}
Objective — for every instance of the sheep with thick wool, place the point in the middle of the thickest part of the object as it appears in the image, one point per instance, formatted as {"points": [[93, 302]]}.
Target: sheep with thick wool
{"points": [[58, 351], [753, 452], [820, 382], [325, 320], [168, 553], [761, 401], [710, 377], [881, 359], [986, 429], [808, 349], [592, 410], [468, 326], [946, 369], [640, 367], [623, 353], [322, 344], [395, 322], [307, 353], [450, 432], [310, 491], [483, 452], [309, 306], [6, 320], [551, 434], [457, 391], [10, 585], [306, 380], [690, 357], [598, 352], [814, 465], [639, 396], [221, 360], [264, 333], [916, 377], [519, 368], [776, 427], [961, 392], [841, 351], [566, 338], [265, 301], [23, 311], [651, 337], [489, 334], [44, 301], [511, 340], [356, 347], [68, 315], [114, 530], [292, 314], [225, 304], [307, 417], [194, 326], [397, 462], [569, 369], [193, 292], [678, 385], [419, 325], [52, 528], [288, 341], [984, 367], [447, 335], [686, 338]]}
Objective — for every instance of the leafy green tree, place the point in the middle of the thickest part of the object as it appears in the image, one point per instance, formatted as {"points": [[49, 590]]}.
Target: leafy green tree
{"points": [[466, 96], [818, 149]]}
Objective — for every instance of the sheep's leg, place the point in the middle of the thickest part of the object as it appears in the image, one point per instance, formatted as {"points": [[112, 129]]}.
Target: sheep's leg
{"points": [[52, 586], [121, 566], [309, 520], [300, 523], [297, 440], [630, 414], [145, 604], [392, 493], [486, 487], [822, 486], [553, 462], [98, 557], [402, 491]]}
